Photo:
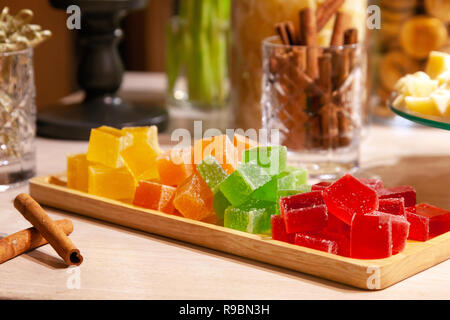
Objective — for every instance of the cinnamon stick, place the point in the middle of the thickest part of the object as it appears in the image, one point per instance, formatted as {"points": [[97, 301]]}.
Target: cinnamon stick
{"points": [[337, 38], [55, 236], [326, 11], [308, 30], [286, 32], [27, 240], [351, 36]]}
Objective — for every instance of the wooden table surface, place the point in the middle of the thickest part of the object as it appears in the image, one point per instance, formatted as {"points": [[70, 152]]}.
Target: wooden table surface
{"points": [[122, 263]]}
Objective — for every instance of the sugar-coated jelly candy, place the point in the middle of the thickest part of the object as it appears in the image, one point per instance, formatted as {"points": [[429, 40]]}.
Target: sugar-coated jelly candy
{"points": [[268, 191], [373, 183], [305, 219], [252, 216], [400, 231], [242, 143], [272, 158], [337, 226], [427, 221], [282, 193], [152, 195], [239, 185], [299, 201], [148, 135], [193, 198], [221, 148], [408, 193], [371, 236], [174, 166], [212, 172], [342, 240], [111, 183], [321, 186], [293, 178], [279, 229], [77, 172], [395, 206], [316, 241], [220, 204], [348, 196], [105, 145], [140, 159]]}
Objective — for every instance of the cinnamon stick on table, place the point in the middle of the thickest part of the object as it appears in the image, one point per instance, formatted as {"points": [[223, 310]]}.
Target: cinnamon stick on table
{"points": [[55, 236], [26, 240], [308, 33]]}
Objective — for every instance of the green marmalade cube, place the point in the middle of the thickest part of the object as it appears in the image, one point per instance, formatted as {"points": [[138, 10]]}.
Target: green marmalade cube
{"points": [[294, 178], [272, 158], [220, 204], [239, 185], [252, 217], [212, 172]]}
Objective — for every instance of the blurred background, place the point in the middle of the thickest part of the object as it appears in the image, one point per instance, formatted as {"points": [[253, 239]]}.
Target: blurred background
{"points": [[56, 61]]}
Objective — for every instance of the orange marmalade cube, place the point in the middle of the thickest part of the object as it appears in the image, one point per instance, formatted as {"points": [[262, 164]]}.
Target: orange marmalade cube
{"points": [[221, 148], [156, 196], [117, 184], [174, 166], [194, 199], [77, 172], [242, 143], [105, 145], [149, 135]]}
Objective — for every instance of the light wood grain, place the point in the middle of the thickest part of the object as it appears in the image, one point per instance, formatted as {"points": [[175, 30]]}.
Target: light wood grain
{"points": [[417, 256]]}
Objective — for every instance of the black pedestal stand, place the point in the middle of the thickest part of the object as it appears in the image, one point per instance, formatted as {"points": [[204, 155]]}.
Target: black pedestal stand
{"points": [[100, 75]]}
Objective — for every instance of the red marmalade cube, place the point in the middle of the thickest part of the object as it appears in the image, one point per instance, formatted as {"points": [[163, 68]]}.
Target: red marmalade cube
{"points": [[279, 230], [408, 193], [371, 236], [321, 186], [400, 231], [373, 183], [427, 221], [302, 200], [348, 196], [395, 206], [305, 219], [337, 226], [315, 241]]}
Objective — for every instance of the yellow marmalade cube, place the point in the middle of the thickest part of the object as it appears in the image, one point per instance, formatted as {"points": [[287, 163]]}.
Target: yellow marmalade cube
{"points": [[139, 159], [146, 134], [105, 145], [77, 172], [117, 184]]}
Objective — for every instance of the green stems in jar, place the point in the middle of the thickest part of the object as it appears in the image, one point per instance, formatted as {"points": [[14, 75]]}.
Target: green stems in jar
{"points": [[198, 41]]}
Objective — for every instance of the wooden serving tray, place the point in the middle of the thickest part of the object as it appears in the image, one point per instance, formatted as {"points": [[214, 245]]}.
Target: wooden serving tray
{"points": [[365, 274]]}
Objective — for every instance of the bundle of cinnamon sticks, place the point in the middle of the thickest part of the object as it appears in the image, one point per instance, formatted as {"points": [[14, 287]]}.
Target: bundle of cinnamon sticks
{"points": [[313, 85]]}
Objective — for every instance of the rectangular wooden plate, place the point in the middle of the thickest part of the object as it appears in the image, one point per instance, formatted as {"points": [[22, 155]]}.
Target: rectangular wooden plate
{"points": [[365, 274]]}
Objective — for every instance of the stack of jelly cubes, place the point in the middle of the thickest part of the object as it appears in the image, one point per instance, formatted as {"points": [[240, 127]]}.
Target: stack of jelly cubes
{"points": [[357, 218], [250, 188]]}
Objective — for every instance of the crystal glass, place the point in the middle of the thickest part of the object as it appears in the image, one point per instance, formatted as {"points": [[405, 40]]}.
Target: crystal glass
{"points": [[319, 118], [252, 22], [17, 118]]}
